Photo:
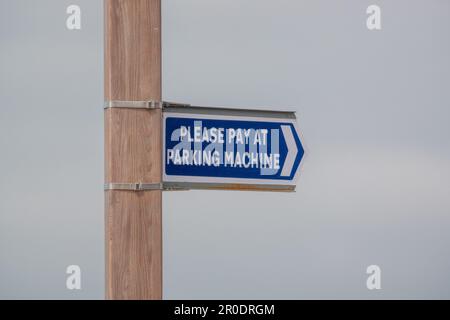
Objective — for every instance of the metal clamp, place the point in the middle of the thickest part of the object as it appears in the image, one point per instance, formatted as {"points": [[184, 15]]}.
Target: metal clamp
{"points": [[142, 187], [151, 104], [134, 104], [134, 186]]}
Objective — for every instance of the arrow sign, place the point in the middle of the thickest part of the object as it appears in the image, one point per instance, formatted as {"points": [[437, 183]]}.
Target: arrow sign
{"points": [[219, 148]]}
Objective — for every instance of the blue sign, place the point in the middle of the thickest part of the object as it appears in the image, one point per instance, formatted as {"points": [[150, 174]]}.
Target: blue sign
{"points": [[230, 150]]}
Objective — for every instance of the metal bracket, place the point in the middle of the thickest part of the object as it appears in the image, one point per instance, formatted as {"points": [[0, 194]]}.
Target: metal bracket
{"points": [[151, 104], [134, 186], [134, 104], [141, 187]]}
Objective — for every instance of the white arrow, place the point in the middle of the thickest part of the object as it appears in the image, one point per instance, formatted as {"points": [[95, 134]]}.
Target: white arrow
{"points": [[292, 151]]}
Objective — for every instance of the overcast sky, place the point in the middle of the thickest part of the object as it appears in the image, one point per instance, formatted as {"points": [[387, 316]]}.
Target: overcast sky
{"points": [[372, 107]]}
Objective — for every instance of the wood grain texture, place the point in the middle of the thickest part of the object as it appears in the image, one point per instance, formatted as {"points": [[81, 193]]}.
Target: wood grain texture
{"points": [[133, 222]]}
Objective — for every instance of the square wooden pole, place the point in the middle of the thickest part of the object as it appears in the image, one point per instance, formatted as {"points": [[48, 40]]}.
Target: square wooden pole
{"points": [[133, 220]]}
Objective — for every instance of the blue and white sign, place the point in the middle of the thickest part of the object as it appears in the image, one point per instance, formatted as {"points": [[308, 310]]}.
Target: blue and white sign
{"points": [[251, 150]]}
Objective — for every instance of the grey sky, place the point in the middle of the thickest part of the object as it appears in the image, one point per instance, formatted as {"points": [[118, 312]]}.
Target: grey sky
{"points": [[373, 108]]}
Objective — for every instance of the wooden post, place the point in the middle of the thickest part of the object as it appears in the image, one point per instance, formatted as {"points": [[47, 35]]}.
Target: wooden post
{"points": [[133, 222]]}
